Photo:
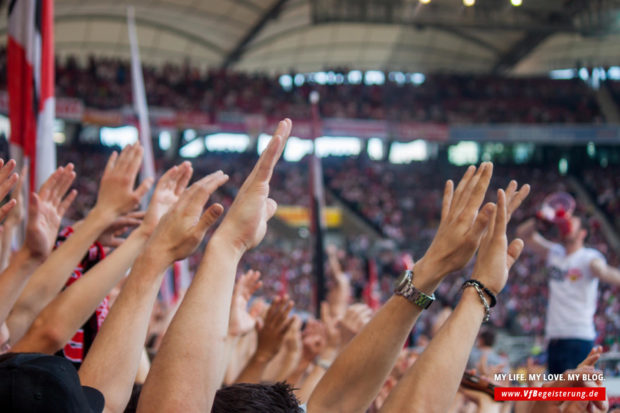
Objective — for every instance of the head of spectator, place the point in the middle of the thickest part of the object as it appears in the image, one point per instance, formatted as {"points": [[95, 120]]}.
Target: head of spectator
{"points": [[31, 382], [252, 397]]}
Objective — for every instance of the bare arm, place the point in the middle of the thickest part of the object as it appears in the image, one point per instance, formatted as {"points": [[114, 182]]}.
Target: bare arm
{"points": [[188, 379], [347, 386], [178, 234], [605, 272], [57, 323], [532, 238], [434, 378], [14, 220], [116, 197], [44, 213]]}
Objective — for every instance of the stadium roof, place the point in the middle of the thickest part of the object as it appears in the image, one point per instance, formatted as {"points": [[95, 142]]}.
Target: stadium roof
{"points": [[311, 35]]}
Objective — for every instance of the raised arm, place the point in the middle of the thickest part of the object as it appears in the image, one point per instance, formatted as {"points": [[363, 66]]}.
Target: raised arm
{"points": [[532, 238], [112, 362], [45, 210], [116, 197], [433, 380], [14, 219], [190, 365], [359, 371], [57, 323]]}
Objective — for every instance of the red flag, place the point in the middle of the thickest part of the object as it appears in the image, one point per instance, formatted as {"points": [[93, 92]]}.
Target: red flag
{"points": [[370, 293], [30, 65]]}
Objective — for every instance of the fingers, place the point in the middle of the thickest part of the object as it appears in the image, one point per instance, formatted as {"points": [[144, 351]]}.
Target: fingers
{"points": [[482, 220], [209, 217], [6, 208], [500, 215], [186, 174], [458, 192], [111, 162], [515, 201], [477, 188], [7, 178], [62, 185], [268, 159], [272, 207], [446, 203], [202, 189], [144, 188], [66, 203], [514, 251]]}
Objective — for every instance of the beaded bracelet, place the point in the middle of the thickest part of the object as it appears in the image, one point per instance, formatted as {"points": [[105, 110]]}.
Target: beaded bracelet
{"points": [[487, 309], [486, 290]]}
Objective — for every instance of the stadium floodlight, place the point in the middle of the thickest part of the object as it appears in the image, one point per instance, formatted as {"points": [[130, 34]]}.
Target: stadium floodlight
{"points": [[425, 1], [469, 3], [516, 3]]}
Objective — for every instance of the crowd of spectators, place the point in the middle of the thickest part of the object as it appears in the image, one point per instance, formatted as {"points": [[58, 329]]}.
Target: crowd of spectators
{"points": [[402, 201], [105, 83], [216, 349]]}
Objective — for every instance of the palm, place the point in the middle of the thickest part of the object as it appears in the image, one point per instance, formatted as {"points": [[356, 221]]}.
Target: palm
{"points": [[42, 229], [167, 193], [241, 321]]}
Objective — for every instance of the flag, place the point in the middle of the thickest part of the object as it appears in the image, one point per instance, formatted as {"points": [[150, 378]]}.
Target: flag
{"points": [[317, 204], [370, 292], [139, 99], [30, 73]]}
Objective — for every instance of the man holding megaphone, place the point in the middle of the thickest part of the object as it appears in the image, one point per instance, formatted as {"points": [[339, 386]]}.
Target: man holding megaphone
{"points": [[574, 272]]}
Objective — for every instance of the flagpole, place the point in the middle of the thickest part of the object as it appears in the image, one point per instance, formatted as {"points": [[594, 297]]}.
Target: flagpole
{"points": [[317, 201]]}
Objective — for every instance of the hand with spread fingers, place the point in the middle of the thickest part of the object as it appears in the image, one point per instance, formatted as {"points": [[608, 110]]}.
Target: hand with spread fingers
{"points": [[112, 236], [17, 214], [241, 321], [7, 181], [167, 192], [276, 324], [184, 226], [116, 191], [496, 257], [245, 223], [46, 209], [355, 318]]}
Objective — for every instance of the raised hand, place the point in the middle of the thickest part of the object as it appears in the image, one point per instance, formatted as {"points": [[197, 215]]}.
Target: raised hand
{"points": [[17, 214], [276, 324], [183, 227], [111, 237], [241, 321], [462, 224], [7, 180], [46, 209], [245, 223], [167, 192], [314, 339], [355, 318], [495, 256], [116, 191]]}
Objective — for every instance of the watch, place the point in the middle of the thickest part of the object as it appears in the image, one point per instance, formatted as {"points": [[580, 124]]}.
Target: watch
{"points": [[405, 288]]}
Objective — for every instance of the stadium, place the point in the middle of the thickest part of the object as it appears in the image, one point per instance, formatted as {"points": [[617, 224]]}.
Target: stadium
{"points": [[310, 205]]}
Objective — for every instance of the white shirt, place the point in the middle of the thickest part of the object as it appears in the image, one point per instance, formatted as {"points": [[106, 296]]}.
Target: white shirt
{"points": [[573, 292]]}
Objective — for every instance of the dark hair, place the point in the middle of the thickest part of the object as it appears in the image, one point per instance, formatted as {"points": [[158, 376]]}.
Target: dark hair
{"points": [[256, 398]]}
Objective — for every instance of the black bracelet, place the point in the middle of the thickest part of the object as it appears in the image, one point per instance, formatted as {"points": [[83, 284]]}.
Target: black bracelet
{"points": [[483, 288]]}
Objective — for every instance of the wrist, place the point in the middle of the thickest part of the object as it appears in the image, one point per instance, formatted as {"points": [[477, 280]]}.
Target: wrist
{"points": [[471, 298], [156, 258], [101, 215], [24, 256], [222, 241], [427, 275]]}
